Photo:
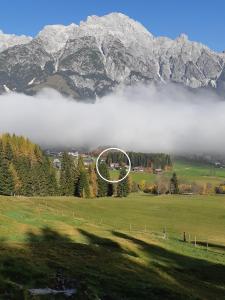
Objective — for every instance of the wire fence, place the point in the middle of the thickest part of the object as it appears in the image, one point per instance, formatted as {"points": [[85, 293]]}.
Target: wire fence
{"points": [[44, 214]]}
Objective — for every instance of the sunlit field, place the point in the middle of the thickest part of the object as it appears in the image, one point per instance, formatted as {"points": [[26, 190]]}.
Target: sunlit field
{"points": [[123, 248]]}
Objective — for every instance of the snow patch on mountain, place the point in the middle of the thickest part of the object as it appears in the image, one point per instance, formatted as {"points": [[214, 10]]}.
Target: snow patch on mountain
{"points": [[97, 55], [54, 37], [9, 40]]}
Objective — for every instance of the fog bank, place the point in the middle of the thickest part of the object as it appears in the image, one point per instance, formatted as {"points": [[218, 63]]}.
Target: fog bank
{"points": [[169, 119]]}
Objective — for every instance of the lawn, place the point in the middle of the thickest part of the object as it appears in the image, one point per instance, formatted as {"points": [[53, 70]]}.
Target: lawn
{"points": [[114, 248]]}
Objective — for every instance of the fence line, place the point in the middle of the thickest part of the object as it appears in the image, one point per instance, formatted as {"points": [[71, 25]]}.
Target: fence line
{"points": [[207, 243], [197, 241]]}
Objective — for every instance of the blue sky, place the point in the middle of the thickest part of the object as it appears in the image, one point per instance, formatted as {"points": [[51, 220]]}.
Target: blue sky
{"points": [[201, 20]]}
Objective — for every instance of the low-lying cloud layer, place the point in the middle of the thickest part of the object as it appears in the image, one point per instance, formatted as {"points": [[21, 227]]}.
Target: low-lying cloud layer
{"points": [[168, 119]]}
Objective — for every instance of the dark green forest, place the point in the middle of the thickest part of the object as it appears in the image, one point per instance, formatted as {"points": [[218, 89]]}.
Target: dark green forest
{"points": [[26, 170], [153, 160]]}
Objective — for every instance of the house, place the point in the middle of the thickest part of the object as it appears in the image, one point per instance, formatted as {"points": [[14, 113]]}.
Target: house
{"points": [[115, 166], [138, 169], [88, 161], [57, 163], [217, 164], [157, 171], [74, 154]]}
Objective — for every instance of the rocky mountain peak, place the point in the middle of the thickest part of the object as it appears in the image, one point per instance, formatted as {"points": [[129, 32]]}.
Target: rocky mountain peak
{"points": [[99, 54], [10, 40], [54, 37]]}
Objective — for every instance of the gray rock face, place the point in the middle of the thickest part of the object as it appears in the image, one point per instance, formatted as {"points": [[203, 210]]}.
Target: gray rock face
{"points": [[93, 58]]}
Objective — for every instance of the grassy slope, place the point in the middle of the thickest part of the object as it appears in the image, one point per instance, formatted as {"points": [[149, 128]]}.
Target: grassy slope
{"points": [[91, 240], [186, 172]]}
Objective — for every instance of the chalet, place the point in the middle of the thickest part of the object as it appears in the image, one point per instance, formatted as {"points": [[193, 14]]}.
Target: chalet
{"points": [[157, 171], [74, 154], [88, 161], [57, 163], [115, 166], [138, 169]]}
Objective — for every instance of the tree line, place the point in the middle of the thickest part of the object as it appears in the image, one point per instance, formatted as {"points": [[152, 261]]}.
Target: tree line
{"points": [[153, 160], [76, 180], [26, 170]]}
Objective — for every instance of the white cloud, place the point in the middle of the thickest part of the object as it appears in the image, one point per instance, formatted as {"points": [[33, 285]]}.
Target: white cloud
{"points": [[167, 119]]}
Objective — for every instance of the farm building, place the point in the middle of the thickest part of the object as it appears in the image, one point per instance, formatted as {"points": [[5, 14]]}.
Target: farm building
{"points": [[57, 163], [88, 161], [138, 169], [157, 171]]}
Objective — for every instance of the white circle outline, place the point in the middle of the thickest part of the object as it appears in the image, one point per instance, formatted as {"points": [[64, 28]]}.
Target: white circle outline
{"points": [[113, 181]]}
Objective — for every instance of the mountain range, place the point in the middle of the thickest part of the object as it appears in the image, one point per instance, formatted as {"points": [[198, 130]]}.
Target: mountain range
{"points": [[91, 59]]}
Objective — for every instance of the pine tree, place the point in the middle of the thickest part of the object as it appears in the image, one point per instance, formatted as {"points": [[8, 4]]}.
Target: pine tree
{"points": [[8, 152], [123, 186], [93, 182], [103, 186], [24, 171], [24, 168], [6, 179], [83, 188], [174, 189], [67, 175]]}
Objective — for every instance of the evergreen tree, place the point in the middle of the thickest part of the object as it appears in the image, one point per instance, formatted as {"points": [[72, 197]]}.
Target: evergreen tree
{"points": [[24, 168], [93, 182], [6, 178], [25, 174], [67, 175], [103, 186], [83, 188], [8, 152], [123, 186], [174, 189]]}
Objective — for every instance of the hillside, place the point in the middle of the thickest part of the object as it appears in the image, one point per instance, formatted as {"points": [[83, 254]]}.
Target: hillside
{"points": [[113, 249]]}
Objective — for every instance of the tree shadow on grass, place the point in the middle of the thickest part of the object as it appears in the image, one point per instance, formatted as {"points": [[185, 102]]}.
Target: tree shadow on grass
{"points": [[211, 245], [101, 269], [106, 243], [198, 271]]}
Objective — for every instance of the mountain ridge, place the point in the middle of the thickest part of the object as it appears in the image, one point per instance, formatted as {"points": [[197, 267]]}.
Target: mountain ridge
{"points": [[92, 58]]}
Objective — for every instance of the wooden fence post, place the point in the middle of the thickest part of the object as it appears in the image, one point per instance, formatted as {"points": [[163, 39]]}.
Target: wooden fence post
{"points": [[164, 233], [195, 241], [145, 230]]}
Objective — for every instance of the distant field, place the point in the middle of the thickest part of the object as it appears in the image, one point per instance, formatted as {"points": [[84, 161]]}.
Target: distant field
{"points": [[115, 246], [186, 171]]}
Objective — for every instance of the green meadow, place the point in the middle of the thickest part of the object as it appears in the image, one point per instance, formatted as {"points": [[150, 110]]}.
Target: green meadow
{"points": [[129, 248], [187, 172]]}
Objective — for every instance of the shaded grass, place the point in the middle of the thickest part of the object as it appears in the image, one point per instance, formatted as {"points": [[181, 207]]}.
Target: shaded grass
{"points": [[121, 266], [91, 242]]}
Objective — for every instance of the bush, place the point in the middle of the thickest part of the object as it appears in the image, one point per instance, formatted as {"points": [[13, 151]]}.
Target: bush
{"points": [[134, 187], [220, 189], [150, 188]]}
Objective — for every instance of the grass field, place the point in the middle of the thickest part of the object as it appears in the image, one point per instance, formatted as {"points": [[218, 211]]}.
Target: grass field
{"points": [[114, 248], [187, 172]]}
